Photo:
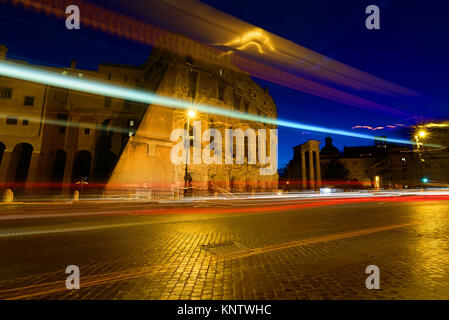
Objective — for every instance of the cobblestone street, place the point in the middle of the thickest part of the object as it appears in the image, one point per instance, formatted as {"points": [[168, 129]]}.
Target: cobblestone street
{"points": [[218, 251]]}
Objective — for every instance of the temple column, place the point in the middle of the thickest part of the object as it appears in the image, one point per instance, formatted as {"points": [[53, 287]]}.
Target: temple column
{"points": [[318, 169], [311, 170], [303, 170]]}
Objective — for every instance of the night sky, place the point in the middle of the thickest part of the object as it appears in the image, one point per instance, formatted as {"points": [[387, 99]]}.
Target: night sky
{"points": [[411, 49]]}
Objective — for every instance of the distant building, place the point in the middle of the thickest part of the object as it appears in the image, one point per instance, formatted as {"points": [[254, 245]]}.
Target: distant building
{"points": [[382, 165]]}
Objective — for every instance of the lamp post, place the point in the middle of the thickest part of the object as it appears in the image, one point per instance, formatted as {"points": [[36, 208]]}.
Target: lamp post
{"points": [[187, 178], [421, 135]]}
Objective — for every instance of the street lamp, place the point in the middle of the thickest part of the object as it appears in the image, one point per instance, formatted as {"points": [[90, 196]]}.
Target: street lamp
{"points": [[420, 135], [191, 114], [187, 178]]}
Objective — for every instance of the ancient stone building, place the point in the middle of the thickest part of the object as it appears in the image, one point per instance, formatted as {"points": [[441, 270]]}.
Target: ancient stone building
{"points": [[304, 170], [212, 81]]}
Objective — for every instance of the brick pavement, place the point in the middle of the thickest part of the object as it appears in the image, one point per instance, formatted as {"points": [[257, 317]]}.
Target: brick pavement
{"points": [[168, 260]]}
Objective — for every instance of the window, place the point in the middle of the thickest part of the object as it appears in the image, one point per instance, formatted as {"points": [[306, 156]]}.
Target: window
{"points": [[5, 92], [29, 101], [11, 120], [25, 122], [87, 131], [107, 102], [193, 79], [221, 91], [125, 78], [246, 106], [62, 119], [109, 76], [189, 60], [403, 159], [237, 99], [132, 130]]}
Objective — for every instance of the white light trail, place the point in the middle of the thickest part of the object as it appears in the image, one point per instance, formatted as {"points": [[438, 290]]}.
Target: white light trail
{"points": [[37, 75]]}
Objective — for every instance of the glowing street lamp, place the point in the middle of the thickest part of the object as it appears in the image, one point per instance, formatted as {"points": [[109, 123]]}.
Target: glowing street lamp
{"points": [[191, 114], [422, 134], [187, 178]]}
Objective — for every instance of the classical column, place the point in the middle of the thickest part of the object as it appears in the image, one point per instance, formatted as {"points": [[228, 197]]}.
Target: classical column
{"points": [[318, 169], [303, 170], [311, 169], [5, 165]]}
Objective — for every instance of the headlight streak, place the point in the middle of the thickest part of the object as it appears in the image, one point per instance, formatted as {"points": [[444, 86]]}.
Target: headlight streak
{"points": [[119, 25], [99, 88]]}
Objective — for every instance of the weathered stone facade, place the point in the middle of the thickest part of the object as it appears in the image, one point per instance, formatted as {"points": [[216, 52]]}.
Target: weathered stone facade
{"points": [[201, 82]]}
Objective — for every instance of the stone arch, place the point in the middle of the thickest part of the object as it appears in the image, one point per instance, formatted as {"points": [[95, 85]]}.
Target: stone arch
{"points": [[20, 164], [81, 165]]}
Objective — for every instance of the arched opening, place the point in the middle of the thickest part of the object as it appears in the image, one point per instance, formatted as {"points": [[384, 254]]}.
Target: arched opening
{"points": [[81, 166], [57, 169], [20, 164], [2, 151], [103, 168], [105, 159]]}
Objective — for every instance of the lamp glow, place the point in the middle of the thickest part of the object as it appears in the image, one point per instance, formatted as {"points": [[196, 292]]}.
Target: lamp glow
{"points": [[191, 114]]}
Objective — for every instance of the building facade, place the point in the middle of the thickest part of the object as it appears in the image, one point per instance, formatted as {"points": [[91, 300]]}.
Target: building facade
{"points": [[54, 139]]}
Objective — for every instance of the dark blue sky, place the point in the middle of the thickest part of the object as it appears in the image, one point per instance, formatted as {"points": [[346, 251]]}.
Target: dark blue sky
{"points": [[411, 49]]}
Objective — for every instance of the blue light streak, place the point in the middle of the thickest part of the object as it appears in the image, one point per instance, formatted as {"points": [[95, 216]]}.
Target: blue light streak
{"points": [[97, 87]]}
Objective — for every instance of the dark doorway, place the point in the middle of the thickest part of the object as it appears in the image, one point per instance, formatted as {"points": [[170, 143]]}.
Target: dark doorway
{"points": [[58, 166], [105, 159], [20, 164], [81, 166]]}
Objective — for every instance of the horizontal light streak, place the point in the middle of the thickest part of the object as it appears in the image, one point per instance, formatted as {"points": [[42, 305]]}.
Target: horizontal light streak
{"points": [[100, 88]]}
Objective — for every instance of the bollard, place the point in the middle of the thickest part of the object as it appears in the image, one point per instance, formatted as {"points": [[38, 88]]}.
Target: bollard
{"points": [[76, 195], [8, 196]]}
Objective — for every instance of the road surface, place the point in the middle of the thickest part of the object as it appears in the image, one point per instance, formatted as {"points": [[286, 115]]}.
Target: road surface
{"points": [[242, 249]]}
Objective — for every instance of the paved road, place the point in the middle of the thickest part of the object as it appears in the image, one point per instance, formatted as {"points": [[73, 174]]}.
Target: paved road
{"points": [[226, 250]]}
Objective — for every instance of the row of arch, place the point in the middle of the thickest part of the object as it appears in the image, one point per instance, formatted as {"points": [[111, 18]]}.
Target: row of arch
{"points": [[20, 161]]}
